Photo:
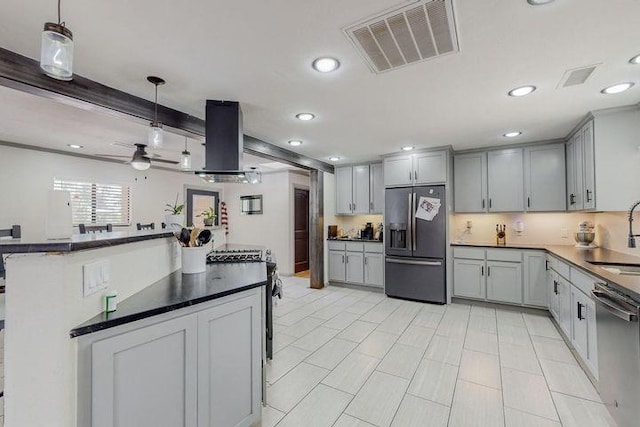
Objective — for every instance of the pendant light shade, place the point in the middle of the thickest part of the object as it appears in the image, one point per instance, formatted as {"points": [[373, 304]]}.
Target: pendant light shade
{"points": [[155, 131], [185, 159], [140, 160], [56, 50]]}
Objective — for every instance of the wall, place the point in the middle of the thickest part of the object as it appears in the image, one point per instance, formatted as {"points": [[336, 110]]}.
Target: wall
{"points": [[27, 175], [274, 228]]}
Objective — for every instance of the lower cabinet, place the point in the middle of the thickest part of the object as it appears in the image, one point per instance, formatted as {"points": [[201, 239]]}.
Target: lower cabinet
{"points": [[535, 279], [504, 281], [356, 263], [200, 369], [468, 278]]}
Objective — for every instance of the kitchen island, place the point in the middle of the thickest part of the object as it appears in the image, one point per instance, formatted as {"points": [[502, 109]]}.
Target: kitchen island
{"points": [[48, 302]]}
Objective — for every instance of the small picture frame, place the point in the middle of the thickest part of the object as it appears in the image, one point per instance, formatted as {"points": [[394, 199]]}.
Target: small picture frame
{"points": [[251, 205]]}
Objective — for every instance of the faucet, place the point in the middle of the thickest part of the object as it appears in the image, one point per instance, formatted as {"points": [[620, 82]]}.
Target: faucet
{"points": [[632, 237]]}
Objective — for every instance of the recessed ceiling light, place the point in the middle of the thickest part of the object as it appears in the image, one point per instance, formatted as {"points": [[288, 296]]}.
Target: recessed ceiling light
{"points": [[325, 64], [76, 146], [522, 91], [538, 2], [295, 142], [617, 88], [407, 148], [334, 158], [512, 134], [305, 116], [635, 60]]}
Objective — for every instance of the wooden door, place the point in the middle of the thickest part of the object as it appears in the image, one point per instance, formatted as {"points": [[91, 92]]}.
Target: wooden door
{"points": [[301, 230]]}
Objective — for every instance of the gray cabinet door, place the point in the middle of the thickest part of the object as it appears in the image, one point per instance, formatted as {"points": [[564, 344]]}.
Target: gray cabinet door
{"points": [[360, 189], [229, 363], [344, 190], [355, 267], [505, 180], [564, 305], [377, 189], [147, 377], [470, 182], [589, 166], [430, 168], [337, 266], [535, 279], [504, 281], [373, 269], [398, 171], [575, 173], [468, 278], [544, 177]]}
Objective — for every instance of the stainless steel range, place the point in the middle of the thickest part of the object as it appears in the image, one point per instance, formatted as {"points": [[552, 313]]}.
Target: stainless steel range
{"points": [[236, 253]]}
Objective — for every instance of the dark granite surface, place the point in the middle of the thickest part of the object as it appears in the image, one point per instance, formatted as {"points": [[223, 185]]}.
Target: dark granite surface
{"points": [[629, 285], [79, 242], [176, 291], [355, 240]]}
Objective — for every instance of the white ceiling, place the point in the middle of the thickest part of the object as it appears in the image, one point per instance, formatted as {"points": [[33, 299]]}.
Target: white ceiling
{"points": [[259, 53]]}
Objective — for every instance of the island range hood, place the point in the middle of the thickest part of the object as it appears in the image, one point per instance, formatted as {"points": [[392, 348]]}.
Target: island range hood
{"points": [[224, 145]]}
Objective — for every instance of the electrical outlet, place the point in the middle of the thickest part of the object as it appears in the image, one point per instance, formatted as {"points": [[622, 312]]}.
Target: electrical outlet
{"points": [[95, 277], [564, 233]]}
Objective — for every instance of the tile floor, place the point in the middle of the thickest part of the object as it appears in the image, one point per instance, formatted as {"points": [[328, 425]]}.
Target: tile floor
{"points": [[354, 358]]}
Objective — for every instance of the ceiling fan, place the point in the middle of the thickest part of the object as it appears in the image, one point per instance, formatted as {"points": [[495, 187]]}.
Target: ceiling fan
{"points": [[140, 160]]}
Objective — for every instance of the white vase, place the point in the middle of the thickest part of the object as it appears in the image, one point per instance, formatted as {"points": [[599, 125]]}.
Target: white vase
{"points": [[174, 222], [194, 260]]}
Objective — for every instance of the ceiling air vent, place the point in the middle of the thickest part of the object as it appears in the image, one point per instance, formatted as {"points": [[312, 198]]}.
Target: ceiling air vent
{"points": [[577, 76], [406, 35]]}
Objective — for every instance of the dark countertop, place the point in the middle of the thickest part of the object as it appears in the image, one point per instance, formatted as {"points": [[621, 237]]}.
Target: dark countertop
{"points": [[629, 285], [177, 291], [355, 240], [79, 242]]}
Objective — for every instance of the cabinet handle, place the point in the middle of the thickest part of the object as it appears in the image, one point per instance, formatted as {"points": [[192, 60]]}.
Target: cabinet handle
{"points": [[489, 202], [572, 199], [528, 202], [347, 258], [409, 175], [482, 203], [354, 207], [365, 260], [588, 195], [546, 265], [488, 271], [415, 175], [482, 270], [370, 206], [580, 311], [555, 287]]}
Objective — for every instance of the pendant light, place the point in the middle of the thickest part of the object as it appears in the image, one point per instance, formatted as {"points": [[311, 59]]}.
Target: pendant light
{"points": [[155, 131], [185, 159], [140, 160], [56, 50]]}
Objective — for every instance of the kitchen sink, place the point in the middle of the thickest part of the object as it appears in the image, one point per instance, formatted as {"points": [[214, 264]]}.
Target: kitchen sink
{"points": [[615, 268]]}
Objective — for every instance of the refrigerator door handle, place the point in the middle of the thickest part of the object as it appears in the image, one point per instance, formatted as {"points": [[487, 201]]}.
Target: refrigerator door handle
{"points": [[413, 222], [409, 233], [414, 262]]}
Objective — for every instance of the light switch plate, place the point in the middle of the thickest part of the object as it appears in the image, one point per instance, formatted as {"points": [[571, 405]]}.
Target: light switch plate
{"points": [[95, 277]]}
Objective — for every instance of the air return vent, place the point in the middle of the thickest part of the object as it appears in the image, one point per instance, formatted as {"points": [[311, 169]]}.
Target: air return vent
{"points": [[577, 76], [406, 35]]}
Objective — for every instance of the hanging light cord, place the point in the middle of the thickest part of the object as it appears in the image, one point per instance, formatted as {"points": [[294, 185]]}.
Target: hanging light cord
{"points": [[156, 106], [59, 15], [185, 144]]}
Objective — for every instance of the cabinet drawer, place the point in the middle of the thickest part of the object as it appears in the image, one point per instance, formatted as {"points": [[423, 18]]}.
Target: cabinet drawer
{"points": [[355, 246], [583, 281], [337, 246], [508, 255], [468, 253], [560, 267], [373, 248]]}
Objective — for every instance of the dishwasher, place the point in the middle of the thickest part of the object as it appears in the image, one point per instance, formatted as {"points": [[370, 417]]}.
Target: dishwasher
{"points": [[618, 353]]}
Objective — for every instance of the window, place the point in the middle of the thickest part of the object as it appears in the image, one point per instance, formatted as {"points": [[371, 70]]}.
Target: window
{"points": [[94, 203]]}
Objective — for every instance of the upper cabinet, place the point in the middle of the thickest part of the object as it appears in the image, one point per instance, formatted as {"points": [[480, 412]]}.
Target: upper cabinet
{"points": [[470, 182], [359, 190], [581, 169], [505, 180], [530, 179], [429, 167], [544, 178]]}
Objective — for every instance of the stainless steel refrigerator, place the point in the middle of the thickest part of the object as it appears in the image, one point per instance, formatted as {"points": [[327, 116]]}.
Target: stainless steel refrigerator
{"points": [[415, 248]]}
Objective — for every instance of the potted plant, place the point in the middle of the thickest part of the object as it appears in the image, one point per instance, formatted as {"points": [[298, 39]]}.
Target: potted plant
{"points": [[208, 216], [175, 217]]}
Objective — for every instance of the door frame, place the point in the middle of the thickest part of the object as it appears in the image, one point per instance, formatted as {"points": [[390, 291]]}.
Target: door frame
{"points": [[292, 223]]}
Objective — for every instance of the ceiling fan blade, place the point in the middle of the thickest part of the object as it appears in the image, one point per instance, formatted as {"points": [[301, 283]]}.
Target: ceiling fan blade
{"points": [[112, 155], [173, 162]]}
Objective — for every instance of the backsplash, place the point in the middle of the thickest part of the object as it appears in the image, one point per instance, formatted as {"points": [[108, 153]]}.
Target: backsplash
{"points": [[612, 228], [346, 223]]}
